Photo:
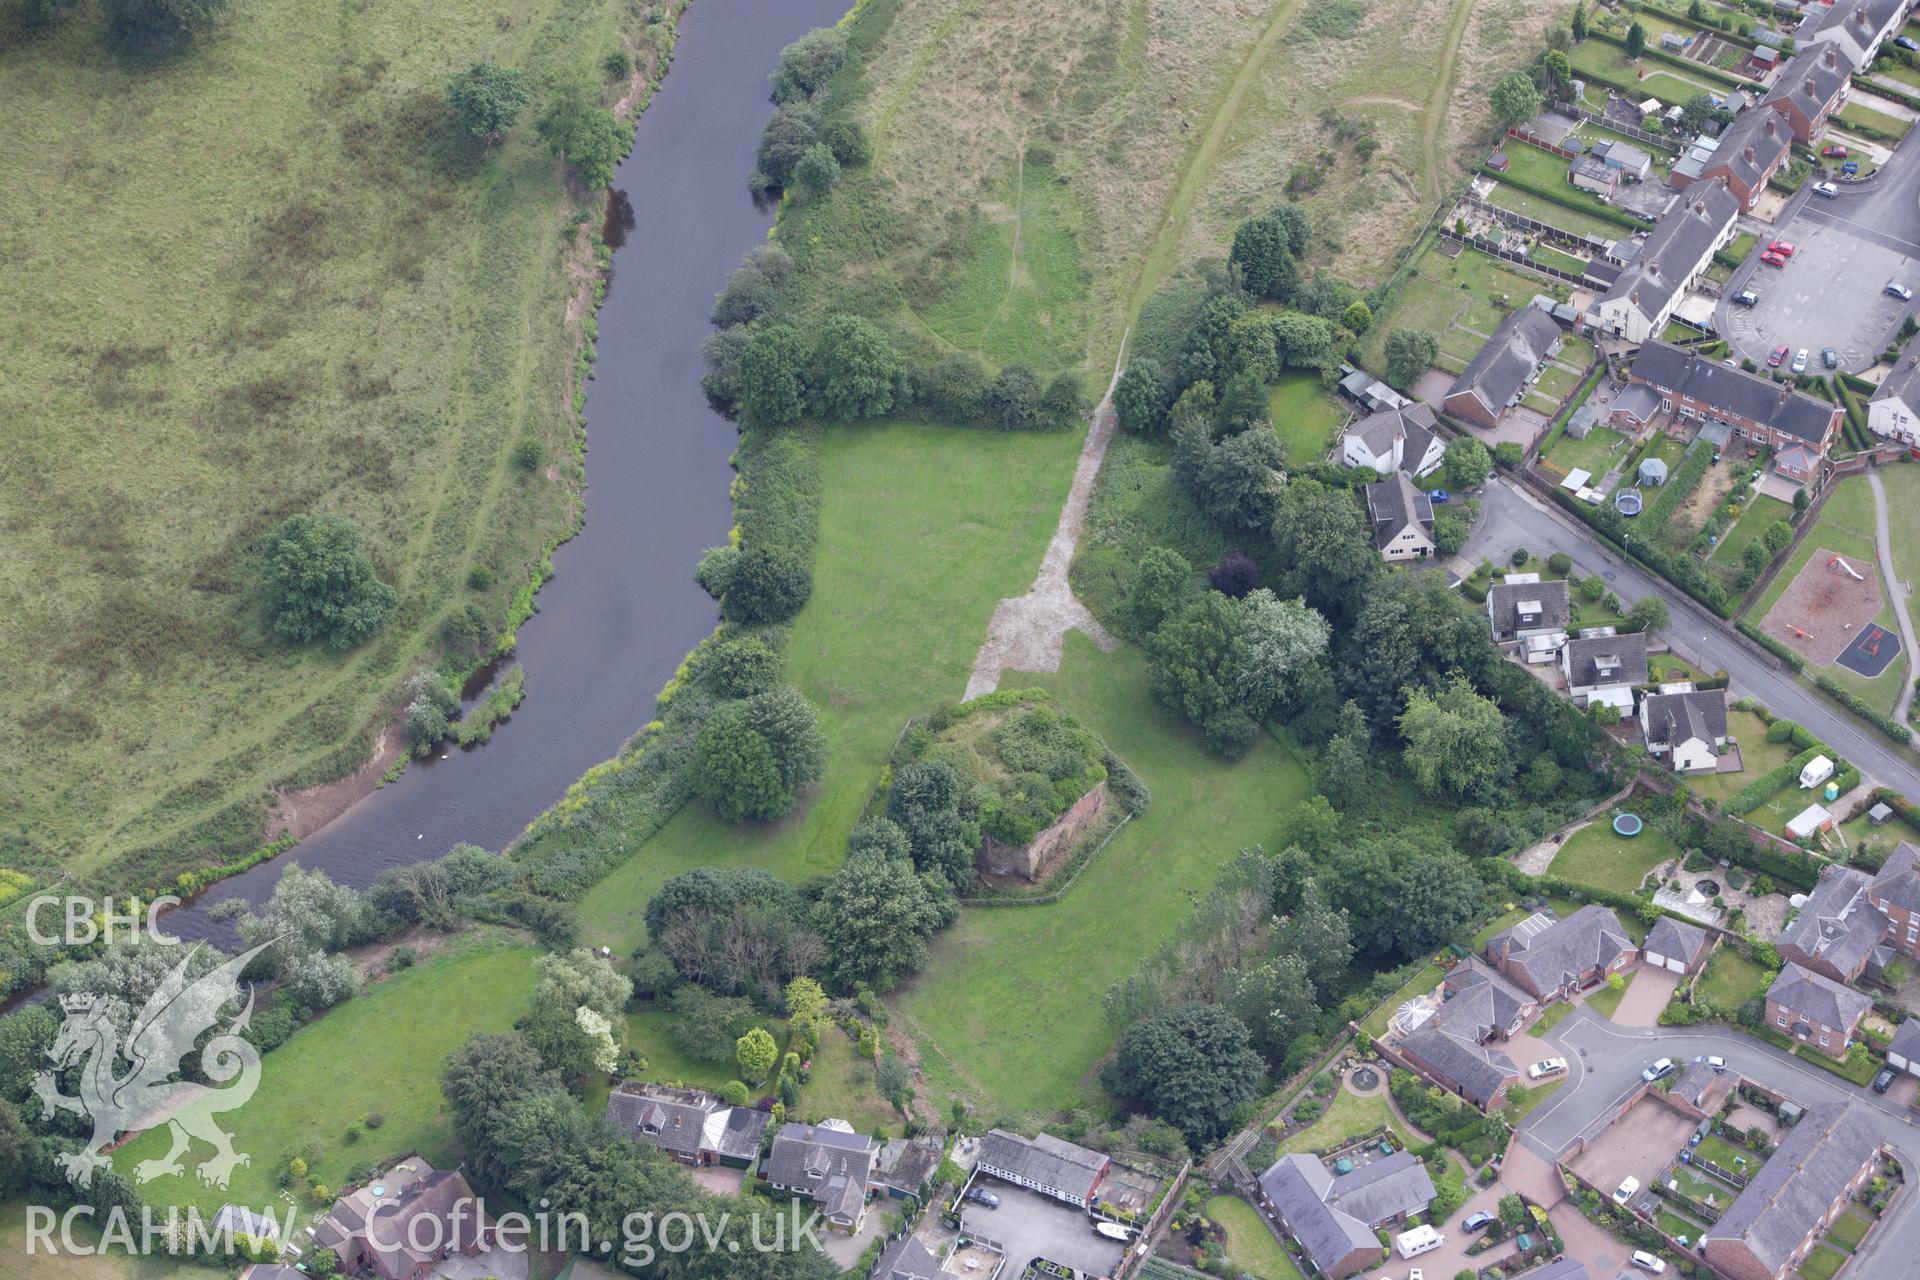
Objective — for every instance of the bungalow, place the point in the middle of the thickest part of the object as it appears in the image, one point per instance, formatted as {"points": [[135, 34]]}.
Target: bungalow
{"points": [[1401, 518], [1676, 946], [1689, 728], [1395, 440], [1767, 413], [1772, 1225], [1894, 411], [691, 1125], [1810, 89], [1334, 1218], [1521, 607], [1550, 957], [1451, 1047], [1049, 1165], [1623, 158], [1903, 1051], [1816, 1009], [1602, 666], [1590, 174], [1680, 247], [374, 1229], [828, 1164], [1500, 371], [1751, 151]]}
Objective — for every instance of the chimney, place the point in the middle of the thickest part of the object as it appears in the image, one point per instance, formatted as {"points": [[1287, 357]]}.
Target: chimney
{"points": [[1750, 156], [1832, 58], [1700, 207]]}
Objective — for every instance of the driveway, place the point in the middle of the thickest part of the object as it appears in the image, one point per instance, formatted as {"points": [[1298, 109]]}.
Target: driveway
{"points": [[1029, 1225], [1510, 518], [1648, 993]]}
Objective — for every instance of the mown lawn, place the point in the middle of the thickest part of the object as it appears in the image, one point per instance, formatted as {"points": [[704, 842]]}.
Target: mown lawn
{"points": [[42, 1265], [1757, 756], [1730, 980], [923, 530], [1522, 1099], [1576, 221], [265, 279], [842, 1088], [1862, 116], [379, 1052], [1601, 448], [1250, 1243], [1305, 416], [1348, 1116], [1596, 857], [1822, 1262], [1761, 512], [1848, 1230], [1471, 291], [1011, 998]]}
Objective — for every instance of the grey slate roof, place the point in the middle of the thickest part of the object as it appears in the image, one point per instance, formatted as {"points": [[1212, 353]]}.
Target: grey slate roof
{"points": [[906, 1259], [1735, 391], [1478, 1069], [1680, 242], [1046, 1160], [1675, 717], [1568, 948], [1853, 23], [1377, 431], [1808, 1172], [1483, 1002], [685, 1121], [1565, 1269], [1693, 1082], [1637, 402], [1502, 366], [1626, 654], [1754, 143], [1504, 600], [1331, 1217], [1677, 939], [829, 1165], [1898, 883], [1817, 998], [1904, 381], [1906, 1040], [1837, 924], [1394, 503], [905, 1164], [1812, 80]]}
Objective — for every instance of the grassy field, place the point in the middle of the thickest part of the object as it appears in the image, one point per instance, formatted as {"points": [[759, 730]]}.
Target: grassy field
{"points": [[1250, 1244], [1902, 484], [1349, 1115], [1730, 979], [352, 311], [1448, 296], [922, 531], [396, 1033], [1030, 1051], [1595, 856], [1305, 416], [44, 1266]]}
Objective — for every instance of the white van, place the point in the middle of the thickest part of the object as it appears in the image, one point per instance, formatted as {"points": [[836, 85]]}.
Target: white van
{"points": [[1421, 1239]]}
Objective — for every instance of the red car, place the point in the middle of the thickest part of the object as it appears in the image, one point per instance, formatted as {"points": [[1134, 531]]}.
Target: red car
{"points": [[1834, 151], [1772, 259], [1778, 358], [1782, 247]]}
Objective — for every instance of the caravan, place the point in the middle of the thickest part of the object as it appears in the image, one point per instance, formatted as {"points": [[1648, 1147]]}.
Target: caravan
{"points": [[1421, 1239]]}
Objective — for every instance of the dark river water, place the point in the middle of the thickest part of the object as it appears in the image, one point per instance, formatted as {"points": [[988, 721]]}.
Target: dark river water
{"points": [[622, 608]]}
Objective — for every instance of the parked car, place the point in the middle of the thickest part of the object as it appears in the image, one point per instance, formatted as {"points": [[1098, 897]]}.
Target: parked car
{"points": [[1906, 42], [1833, 151], [1826, 190], [1895, 289], [1547, 1067], [1439, 496], [1800, 361], [1785, 248], [1624, 1192], [1416, 1274], [1746, 298], [1713, 1060], [1851, 169], [1648, 1263], [1777, 357], [982, 1196], [1884, 1081], [1829, 357], [1658, 1071], [1477, 1221], [1772, 259]]}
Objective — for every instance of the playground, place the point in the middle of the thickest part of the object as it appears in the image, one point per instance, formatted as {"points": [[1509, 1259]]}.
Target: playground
{"points": [[1871, 651], [1825, 612]]}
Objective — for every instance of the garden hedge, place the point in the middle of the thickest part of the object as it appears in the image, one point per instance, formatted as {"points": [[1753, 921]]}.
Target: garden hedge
{"points": [[1852, 702], [1772, 646], [1755, 793], [1682, 570], [1687, 65], [1679, 485]]}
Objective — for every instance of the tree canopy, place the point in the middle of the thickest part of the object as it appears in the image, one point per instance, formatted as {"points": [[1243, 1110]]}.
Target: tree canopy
{"points": [[1190, 1065], [319, 585], [487, 99]]}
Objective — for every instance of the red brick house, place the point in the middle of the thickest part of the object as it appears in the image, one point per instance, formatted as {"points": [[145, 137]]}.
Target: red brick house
{"points": [[1809, 89], [1752, 149], [1768, 413]]}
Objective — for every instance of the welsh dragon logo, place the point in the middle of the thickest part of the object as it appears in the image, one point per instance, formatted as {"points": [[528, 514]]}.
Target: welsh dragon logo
{"points": [[163, 1033]]}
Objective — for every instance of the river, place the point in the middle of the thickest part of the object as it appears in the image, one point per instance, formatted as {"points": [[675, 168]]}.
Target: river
{"points": [[622, 608]]}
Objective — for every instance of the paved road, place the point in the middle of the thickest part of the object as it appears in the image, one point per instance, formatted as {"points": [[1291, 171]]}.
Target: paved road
{"points": [[1884, 544], [1511, 518], [1606, 1061]]}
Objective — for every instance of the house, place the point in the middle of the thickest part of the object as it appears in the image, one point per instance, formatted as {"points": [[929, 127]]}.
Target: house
{"points": [[1692, 163], [1700, 1090], [1623, 157], [1856, 28], [828, 1164], [1751, 150], [1690, 728], [1395, 440], [1501, 370], [1401, 519], [1602, 666], [1676, 946], [1811, 1007], [1895, 893], [1894, 411], [906, 1259], [1451, 1046], [1590, 174], [1793, 1197], [1049, 1165], [1838, 928], [1758, 409], [1903, 1051], [1680, 247], [1549, 957], [1521, 607], [1809, 90], [1796, 462], [1634, 407], [1334, 1218], [375, 1228], [691, 1125], [905, 1166]]}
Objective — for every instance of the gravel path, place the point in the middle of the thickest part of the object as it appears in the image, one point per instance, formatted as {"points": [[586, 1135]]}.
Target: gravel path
{"points": [[1029, 632], [1884, 540]]}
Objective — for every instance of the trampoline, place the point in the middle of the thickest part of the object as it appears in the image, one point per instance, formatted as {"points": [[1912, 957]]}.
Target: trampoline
{"points": [[1627, 824], [1871, 652]]}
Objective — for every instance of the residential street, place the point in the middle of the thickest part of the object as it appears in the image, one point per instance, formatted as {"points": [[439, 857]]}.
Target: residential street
{"points": [[1606, 1061], [1511, 518]]}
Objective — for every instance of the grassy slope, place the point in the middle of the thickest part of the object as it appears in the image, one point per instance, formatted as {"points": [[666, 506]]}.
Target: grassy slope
{"points": [[922, 531], [347, 311], [1012, 997], [397, 1033]]}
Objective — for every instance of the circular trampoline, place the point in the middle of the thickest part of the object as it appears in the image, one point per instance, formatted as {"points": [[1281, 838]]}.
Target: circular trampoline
{"points": [[1627, 824]]}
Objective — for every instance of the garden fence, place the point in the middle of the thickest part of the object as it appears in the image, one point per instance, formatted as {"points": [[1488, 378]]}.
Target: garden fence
{"points": [[1513, 257], [1136, 1258], [1574, 240], [1617, 126]]}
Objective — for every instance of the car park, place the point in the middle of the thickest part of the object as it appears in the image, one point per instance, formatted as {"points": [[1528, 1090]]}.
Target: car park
{"points": [[1800, 360], [1829, 357], [1547, 1067], [1785, 248], [1772, 259], [1894, 289], [1746, 298], [1658, 1071], [1648, 1262], [1624, 1192], [982, 1196], [1777, 357], [1477, 1221], [1884, 1081], [1825, 190]]}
